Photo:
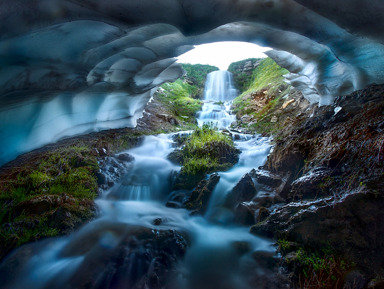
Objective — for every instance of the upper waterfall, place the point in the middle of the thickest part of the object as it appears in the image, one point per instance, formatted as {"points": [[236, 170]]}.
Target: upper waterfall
{"points": [[219, 86], [219, 92]]}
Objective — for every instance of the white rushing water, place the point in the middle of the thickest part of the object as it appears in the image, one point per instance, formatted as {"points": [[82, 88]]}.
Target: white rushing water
{"points": [[211, 261], [219, 92]]}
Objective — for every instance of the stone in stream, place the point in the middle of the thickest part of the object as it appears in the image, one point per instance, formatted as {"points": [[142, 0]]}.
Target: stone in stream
{"points": [[244, 191], [199, 198]]}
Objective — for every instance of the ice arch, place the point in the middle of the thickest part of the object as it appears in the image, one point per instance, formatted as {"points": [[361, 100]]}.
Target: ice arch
{"points": [[73, 66]]}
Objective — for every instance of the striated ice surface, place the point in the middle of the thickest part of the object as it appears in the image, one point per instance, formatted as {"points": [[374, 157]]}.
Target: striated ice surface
{"points": [[70, 67]]}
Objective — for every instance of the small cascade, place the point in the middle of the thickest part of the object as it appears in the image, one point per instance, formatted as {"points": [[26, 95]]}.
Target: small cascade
{"points": [[218, 95]]}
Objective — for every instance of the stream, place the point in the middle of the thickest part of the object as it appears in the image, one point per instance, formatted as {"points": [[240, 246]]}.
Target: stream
{"points": [[138, 242]]}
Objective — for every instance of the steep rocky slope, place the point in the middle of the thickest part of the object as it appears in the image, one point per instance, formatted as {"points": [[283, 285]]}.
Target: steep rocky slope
{"points": [[320, 194]]}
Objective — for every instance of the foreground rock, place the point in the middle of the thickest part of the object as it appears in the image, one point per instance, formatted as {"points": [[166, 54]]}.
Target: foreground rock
{"points": [[138, 257], [200, 196]]}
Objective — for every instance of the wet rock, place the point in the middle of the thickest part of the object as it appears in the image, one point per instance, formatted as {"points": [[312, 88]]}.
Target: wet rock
{"points": [[101, 178], [244, 191], [263, 214], [176, 157], [245, 213], [267, 198], [266, 259], [125, 157], [241, 247], [174, 205], [157, 221], [310, 185], [137, 256], [266, 178], [199, 198]]}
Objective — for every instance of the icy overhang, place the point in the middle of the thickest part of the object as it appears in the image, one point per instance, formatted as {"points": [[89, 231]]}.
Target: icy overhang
{"points": [[70, 67]]}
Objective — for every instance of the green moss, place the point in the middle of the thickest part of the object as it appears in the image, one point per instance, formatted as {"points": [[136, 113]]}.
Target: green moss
{"points": [[267, 74], [65, 179], [205, 151], [267, 84], [176, 96]]}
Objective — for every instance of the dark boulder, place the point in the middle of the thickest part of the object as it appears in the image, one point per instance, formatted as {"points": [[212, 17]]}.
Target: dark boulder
{"points": [[244, 191], [125, 157], [199, 198]]}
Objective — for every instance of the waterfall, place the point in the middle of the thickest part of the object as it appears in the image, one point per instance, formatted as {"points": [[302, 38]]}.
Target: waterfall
{"points": [[136, 236], [218, 95], [219, 86]]}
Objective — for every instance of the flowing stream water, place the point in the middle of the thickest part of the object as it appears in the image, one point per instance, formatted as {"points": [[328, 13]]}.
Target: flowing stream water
{"points": [[108, 252]]}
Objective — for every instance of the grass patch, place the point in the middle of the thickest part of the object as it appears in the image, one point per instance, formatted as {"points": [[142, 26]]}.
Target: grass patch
{"points": [[176, 97], [318, 269], [267, 86], [31, 196], [205, 151]]}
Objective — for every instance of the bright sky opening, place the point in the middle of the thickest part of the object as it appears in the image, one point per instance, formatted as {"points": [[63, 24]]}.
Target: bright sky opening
{"points": [[222, 54]]}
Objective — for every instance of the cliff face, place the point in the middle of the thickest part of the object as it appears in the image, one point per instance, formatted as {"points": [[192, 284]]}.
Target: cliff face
{"points": [[321, 190], [242, 72], [331, 161]]}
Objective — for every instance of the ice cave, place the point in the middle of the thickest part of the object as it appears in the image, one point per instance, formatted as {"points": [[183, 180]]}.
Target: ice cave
{"points": [[71, 67]]}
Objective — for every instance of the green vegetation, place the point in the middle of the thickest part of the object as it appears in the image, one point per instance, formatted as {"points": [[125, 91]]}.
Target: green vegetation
{"points": [[47, 198], [181, 97], [242, 79], [262, 97], [320, 269], [176, 97], [206, 151], [267, 75]]}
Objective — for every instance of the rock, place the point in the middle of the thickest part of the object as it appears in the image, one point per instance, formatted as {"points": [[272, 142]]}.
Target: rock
{"points": [[244, 191], [125, 157], [138, 256], [168, 118], [174, 205], [265, 259], [309, 186], [199, 198], [157, 221], [245, 213], [266, 178], [241, 247], [246, 118], [176, 157], [263, 214], [101, 178]]}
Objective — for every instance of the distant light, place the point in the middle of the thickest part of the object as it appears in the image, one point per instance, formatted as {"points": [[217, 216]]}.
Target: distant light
{"points": [[222, 54]]}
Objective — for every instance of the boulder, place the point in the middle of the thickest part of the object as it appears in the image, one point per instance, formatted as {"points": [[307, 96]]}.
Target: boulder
{"points": [[309, 186], [125, 157], [199, 198], [244, 191], [245, 213], [266, 178]]}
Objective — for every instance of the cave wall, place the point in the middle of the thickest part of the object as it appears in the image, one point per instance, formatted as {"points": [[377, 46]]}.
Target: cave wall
{"points": [[71, 67]]}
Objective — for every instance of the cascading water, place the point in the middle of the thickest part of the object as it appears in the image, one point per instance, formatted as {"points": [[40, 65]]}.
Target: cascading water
{"points": [[137, 237], [218, 95]]}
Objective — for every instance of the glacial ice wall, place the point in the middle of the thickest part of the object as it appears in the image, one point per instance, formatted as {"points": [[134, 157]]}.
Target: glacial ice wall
{"points": [[71, 67]]}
